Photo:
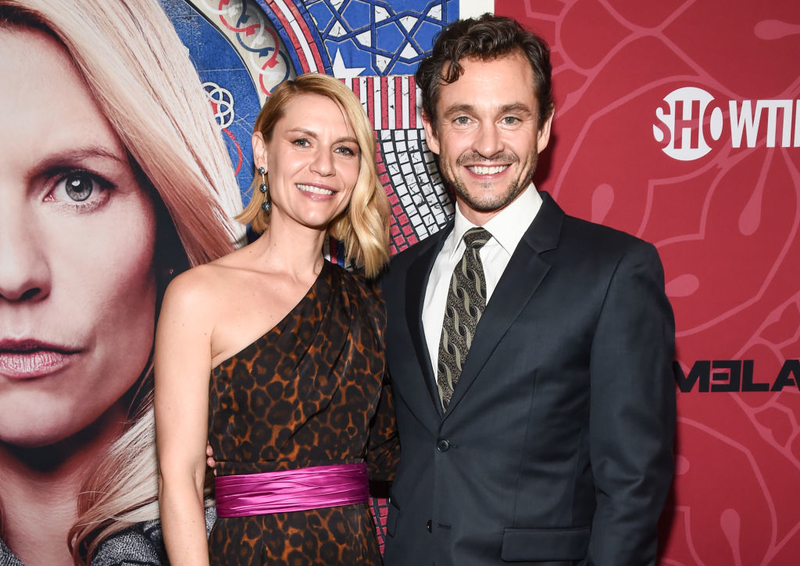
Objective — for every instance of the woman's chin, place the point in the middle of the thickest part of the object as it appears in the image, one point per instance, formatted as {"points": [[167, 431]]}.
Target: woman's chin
{"points": [[39, 433], [60, 432]]}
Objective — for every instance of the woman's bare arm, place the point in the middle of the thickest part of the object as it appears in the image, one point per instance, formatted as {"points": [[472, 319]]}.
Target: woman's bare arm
{"points": [[182, 370]]}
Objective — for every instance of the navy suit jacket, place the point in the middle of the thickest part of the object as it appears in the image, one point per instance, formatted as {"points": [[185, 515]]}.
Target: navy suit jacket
{"points": [[557, 445]]}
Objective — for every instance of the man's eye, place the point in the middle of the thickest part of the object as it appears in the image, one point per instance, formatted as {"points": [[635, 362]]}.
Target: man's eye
{"points": [[461, 120], [510, 119], [302, 142]]}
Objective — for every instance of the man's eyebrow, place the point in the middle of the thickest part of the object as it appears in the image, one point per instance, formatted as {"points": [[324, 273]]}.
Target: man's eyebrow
{"points": [[517, 107], [459, 109]]}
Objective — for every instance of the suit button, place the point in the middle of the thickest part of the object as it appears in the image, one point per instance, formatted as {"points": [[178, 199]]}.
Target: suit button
{"points": [[443, 445], [429, 526]]}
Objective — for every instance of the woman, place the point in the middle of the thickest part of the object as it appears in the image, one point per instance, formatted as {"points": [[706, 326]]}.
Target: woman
{"points": [[293, 345], [111, 177]]}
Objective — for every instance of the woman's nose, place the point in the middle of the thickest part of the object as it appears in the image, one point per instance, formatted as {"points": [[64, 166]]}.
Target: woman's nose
{"points": [[24, 268], [323, 163]]}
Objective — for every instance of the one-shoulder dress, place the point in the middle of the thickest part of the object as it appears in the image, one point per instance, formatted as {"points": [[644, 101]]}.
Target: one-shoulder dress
{"points": [[309, 392]]}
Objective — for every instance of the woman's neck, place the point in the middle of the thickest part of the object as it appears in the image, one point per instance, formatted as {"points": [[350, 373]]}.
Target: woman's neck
{"points": [[40, 488], [291, 248]]}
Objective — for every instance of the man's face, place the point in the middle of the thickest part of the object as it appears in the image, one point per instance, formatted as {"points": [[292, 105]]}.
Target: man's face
{"points": [[487, 136]]}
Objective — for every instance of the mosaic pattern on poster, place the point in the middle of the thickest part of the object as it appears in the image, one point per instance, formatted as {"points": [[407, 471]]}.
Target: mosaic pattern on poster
{"points": [[374, 37], [247, 47], [239, 58], [421, 205]]}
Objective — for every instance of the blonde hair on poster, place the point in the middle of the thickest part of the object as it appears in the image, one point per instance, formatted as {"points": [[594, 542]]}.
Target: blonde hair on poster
{"points": [[140, 75]]}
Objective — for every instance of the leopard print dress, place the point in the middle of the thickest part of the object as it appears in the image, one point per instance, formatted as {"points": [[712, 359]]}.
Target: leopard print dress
{"points": [[309, 392]]}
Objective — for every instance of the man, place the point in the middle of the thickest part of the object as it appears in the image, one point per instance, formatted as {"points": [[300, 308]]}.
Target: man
{"points": [[531, 365]]}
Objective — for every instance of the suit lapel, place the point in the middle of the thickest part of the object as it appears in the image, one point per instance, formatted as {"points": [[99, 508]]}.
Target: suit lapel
{"points": [[416, 282], [520, 280]]}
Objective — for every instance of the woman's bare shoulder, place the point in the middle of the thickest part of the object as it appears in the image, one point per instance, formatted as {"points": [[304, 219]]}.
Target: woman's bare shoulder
{"points": [[212, 277], [193, 284], [212, 288]]}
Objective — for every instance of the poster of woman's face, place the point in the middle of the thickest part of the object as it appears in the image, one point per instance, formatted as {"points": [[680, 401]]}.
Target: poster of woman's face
{"points": [[114, 177], [78, 243]]}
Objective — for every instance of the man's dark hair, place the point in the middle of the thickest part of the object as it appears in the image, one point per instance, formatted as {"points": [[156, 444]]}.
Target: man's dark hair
{"points": [[485, 38]]}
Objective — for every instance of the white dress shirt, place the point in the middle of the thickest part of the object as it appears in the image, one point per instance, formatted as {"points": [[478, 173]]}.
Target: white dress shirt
{"points": [[506, 228]]}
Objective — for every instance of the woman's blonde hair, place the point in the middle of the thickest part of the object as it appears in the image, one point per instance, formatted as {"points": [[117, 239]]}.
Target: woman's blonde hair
{"points": [[364, 227], [140, 75]]}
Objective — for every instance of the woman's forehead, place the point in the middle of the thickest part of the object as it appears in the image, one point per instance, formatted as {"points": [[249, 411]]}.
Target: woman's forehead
{"points": [[314, 112]]}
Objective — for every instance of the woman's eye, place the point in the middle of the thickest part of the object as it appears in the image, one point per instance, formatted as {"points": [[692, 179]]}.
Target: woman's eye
{"points": [[81, 189], [344, 150], [302, 142], [78, 186]]}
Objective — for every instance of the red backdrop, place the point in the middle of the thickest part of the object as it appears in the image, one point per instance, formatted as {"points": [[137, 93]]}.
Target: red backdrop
{"points": [[709, 175]]}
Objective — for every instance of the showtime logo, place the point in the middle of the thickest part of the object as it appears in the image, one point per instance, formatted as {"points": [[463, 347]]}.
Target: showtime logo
{"points": [[690, 121]]}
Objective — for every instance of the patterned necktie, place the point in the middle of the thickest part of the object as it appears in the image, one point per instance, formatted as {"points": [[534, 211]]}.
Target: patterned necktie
{"points": [[466, 301]]}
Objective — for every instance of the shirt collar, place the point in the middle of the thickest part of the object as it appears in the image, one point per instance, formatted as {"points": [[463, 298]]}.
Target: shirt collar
{"points": [[507, 227]]}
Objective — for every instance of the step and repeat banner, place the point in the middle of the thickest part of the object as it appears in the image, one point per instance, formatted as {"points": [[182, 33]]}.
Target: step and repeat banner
{"points": [[679, 122], [676, 121]]}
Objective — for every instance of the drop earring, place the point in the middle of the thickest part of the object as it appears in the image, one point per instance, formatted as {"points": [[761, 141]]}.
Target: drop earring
{"points": [[264, 189]]}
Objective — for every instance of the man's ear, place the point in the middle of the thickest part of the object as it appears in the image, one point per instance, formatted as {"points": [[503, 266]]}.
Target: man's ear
{"points": [[543, 135], [260, 151], [430, 133]]}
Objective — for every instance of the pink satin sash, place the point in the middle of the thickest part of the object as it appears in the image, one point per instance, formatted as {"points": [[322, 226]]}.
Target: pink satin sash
{"points": [[291, 490]]}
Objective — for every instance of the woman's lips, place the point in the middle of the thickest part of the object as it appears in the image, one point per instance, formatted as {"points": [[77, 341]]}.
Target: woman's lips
{"points": [[27, 359]]}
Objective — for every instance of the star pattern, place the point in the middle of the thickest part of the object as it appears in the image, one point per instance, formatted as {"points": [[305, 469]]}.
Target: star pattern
{"points": [[341, 70], [379, 38]]}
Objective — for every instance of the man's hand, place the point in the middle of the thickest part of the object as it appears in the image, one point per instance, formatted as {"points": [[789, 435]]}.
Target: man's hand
{"points": [[210, 461]]}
